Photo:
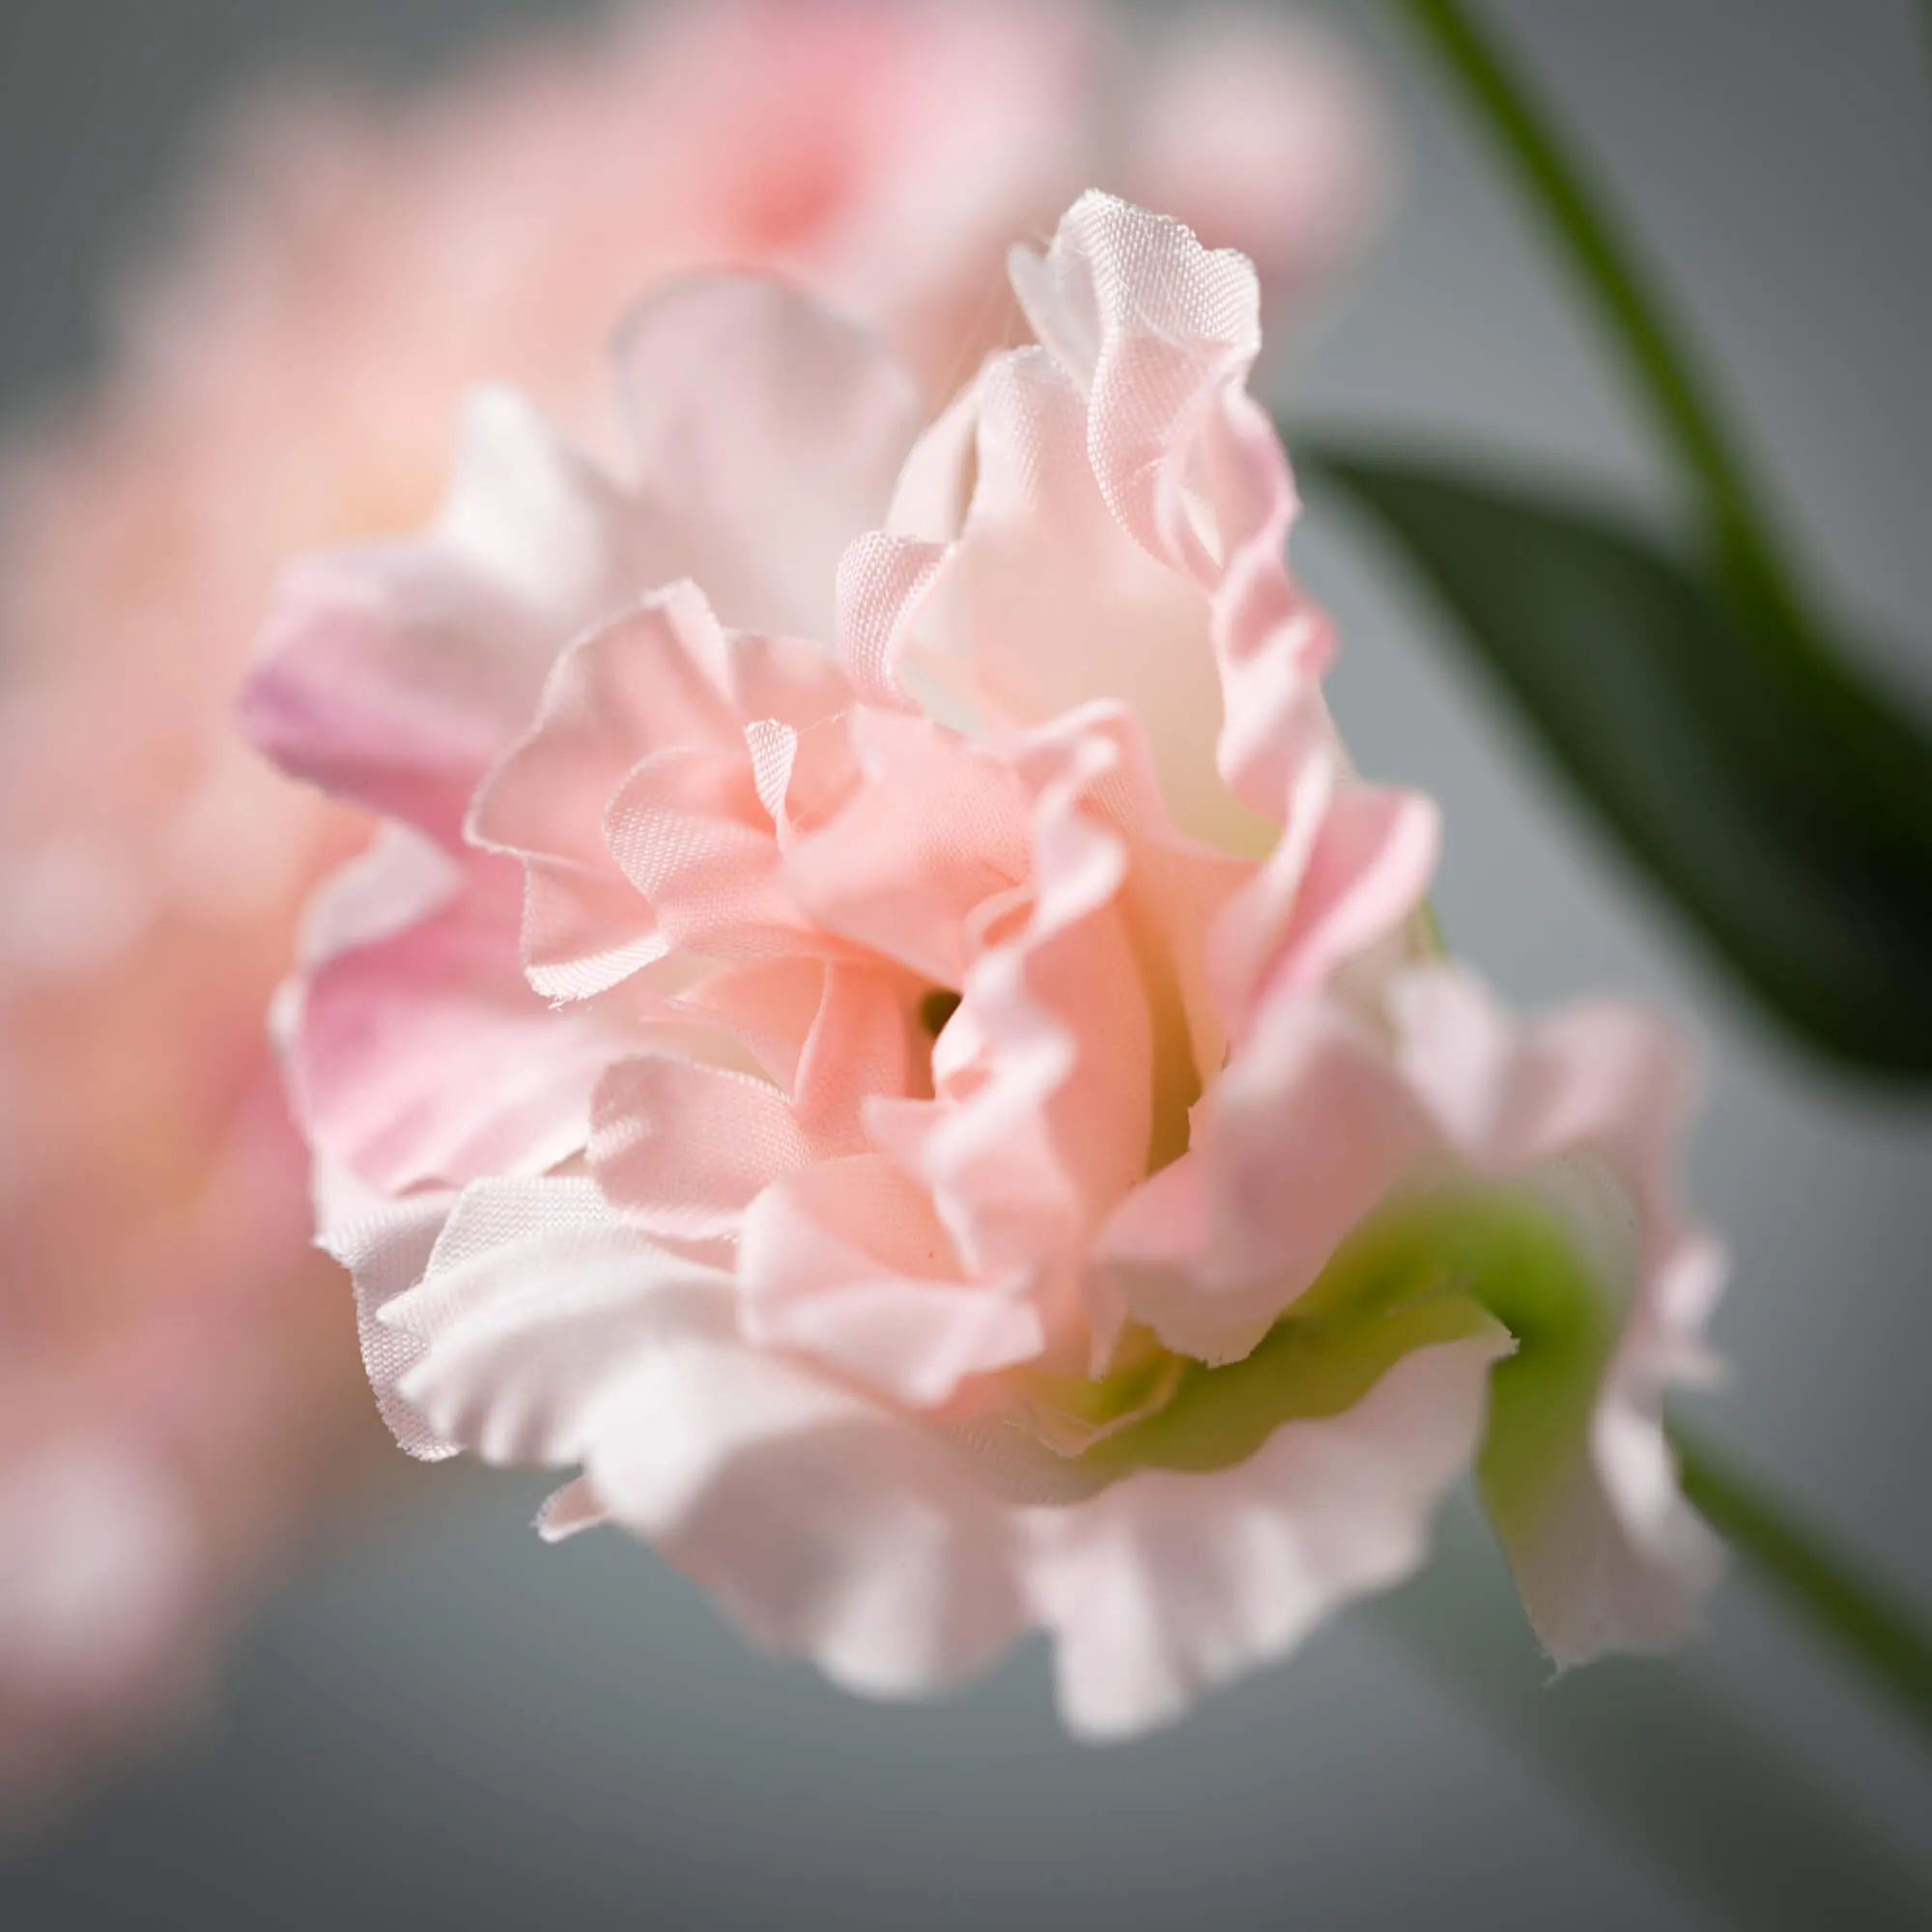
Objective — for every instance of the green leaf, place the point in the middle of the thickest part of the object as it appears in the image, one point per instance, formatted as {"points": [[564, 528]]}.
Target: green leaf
{"points": [[1784, 808]]}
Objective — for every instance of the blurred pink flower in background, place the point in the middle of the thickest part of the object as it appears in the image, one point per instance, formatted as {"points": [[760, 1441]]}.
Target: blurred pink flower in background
{"points": [[178, 1386], [1255, 135], [934, 1183]]}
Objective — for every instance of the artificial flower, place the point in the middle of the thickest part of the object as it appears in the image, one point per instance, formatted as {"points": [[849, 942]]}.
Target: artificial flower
{"points": [[883, 1032], [173, 1357]]}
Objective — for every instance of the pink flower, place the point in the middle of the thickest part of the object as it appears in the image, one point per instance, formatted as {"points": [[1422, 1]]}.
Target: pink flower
{"points": [[289, 379], [1261, 136], [960, 1127]]}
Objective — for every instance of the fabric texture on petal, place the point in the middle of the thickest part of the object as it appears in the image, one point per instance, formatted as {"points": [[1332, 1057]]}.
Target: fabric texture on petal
{"points": [[532, 1305], [377, 1029], [645, 681], [1168, 1583], [395, 674], [683, 1150], [933, 829], [1158, 335], [385, 1246], [846, 1261], [829, 1526]]}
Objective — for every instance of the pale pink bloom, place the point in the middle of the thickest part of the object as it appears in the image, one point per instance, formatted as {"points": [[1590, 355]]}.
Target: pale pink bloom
{"points": [[288, 379], [882, 1028], [1258, 132]]}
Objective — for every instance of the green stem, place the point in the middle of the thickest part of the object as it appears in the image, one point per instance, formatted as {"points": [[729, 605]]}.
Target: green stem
{"points": [[1655, 350], [1821, 1585], [1693, 1783]]}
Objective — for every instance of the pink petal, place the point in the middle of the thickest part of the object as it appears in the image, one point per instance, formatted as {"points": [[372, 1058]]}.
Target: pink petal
{"points": [[688, 830], [526, 512], [420, 1055], [766, 433], [394, 675], [933, 831], [1607, 1077], [883, 585], [866, 1040], [533, 1306], [787, 680], [1352, 867], [1157, 335], [848, 1262], [1048, 604], [649, 680], [829, 1527], [660, 689], [1588, 1106], [768, 1005], [385, 1246], [569, 1512], [392, 679], [1261, 134], [1167, 1583], [682, 1150], [649, 802], [831, 1033], [1305, 1132], [1036, 1136]]}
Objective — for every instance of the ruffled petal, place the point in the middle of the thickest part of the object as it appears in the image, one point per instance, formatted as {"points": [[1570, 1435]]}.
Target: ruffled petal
{"points": [[846, 1261], [766, 433], [1305, 1133], [884, 581], [688, 829], [394, 675], [544, 1329], [1045, 602], [1587, 1108], [866, 1040], [391, 679], [530, 515], [1169, 1583], [418, 1055], [534, 1304], [385, 1246], [569, 1512], [645, 801], [1157, 335], [832, 1035], [652, 679], [933, 831], [829, 1526], [1351, 869], [1046, 1074], [682, 1150], [768, 1005]]}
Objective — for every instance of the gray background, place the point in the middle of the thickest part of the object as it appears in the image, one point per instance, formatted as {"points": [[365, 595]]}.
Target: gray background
{"points": [[444, 1724]]}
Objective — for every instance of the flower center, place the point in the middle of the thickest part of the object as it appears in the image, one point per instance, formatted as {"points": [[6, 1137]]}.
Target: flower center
{"points": [[936, 1008]]}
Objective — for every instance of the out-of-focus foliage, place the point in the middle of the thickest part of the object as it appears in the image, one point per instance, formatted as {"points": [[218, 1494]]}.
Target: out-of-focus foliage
{"points": [[1784, 807]]}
